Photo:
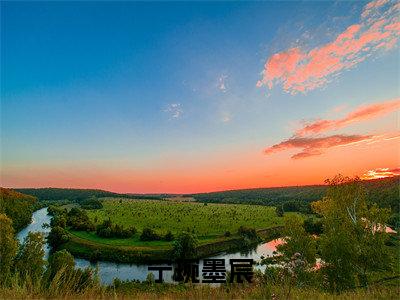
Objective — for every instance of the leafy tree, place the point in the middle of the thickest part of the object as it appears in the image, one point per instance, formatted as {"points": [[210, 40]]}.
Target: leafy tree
{"points": [[59, 220], [313, 226], [79, 220], [298, 242], [30, 258], [247, 232], [279, 211], [353, 239], [8, 247], [60, 261], [185, 246], [107, 229], [18, 207], [57, 236], [92, 203]]}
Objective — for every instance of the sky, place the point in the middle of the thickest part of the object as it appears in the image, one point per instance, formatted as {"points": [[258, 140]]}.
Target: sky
{"points": [[179, 97]]}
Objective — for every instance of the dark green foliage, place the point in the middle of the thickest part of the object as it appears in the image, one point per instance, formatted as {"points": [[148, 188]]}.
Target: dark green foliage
{"points": [[394, 220], [79, 195], [57, 236], [185, 246], [92, 203], [59, 220], [279, 211], [79, 220], [353, 243], [8, 248], [53, 210], [249, 233], [149, 234], [29, 261], [62, 275], [265, 196], [109, 230], [17, 206], [169, 236], [385, 192], [227, 234], [313, 225], [298, 242], [60, 261]]}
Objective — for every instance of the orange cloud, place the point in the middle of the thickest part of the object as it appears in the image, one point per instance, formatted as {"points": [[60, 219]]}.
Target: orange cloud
{"points": [[360, 114], [312, 146], [300, 71], [381, 173]]}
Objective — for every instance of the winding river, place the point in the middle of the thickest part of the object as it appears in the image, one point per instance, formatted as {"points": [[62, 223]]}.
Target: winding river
{"points": [[108, 271]]}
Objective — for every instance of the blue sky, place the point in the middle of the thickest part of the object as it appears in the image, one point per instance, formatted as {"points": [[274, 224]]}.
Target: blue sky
{"points": [[158, 87]]}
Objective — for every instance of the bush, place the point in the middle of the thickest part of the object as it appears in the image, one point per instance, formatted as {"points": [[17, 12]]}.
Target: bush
{"points": [[92, 203], [79, 220], [169, 236], [58, 220], [60, 260], [107, 230], [248, 232], [149, 234], [185, 246], [57, 237], [313, 226]]}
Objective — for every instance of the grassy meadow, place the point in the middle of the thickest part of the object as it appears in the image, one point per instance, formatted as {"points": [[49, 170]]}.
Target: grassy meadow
{"points": [[205, 220]]}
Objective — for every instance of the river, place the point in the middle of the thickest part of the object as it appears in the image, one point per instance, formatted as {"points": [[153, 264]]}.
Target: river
{"points": [[108, 271]]}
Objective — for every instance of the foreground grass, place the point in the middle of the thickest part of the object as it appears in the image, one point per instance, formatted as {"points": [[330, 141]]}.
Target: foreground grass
{"points": [[189, 291]]}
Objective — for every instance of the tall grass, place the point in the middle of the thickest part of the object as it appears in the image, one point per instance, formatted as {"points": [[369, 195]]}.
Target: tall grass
{"points": [[67, 285]]}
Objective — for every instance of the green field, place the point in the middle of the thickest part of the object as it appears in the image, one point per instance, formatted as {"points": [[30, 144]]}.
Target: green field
{"points": [[209, 220]]}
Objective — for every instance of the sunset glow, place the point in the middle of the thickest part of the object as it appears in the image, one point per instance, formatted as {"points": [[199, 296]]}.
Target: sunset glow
{"points": [[198, 97]]}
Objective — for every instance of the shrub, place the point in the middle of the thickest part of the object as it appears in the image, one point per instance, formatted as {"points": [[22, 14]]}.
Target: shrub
{"points": [[248, 232], [185, 246], [107, 230], [169, 236], [92, 203], [57, 237], [149, 234]]}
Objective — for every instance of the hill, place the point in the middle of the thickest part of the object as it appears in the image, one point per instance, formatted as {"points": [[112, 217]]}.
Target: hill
{"points": [[76, 195], [384, 192], [17, 206]]}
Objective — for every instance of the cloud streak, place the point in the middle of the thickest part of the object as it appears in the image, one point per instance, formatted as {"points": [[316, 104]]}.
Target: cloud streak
{"points": [[299, 70], [311, 146], [381, 173], [362, 113]]}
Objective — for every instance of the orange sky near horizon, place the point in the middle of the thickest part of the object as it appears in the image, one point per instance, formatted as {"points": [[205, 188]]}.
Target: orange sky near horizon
{"points": [[220, 172]]}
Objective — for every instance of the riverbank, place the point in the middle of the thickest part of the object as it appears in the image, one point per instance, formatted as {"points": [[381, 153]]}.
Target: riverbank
{"points": [[93, 251]]}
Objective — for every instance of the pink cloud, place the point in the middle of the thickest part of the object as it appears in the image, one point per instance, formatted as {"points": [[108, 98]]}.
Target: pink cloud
{"points": [[381, 173], [311, 146], [360, 114], [299, 70]]}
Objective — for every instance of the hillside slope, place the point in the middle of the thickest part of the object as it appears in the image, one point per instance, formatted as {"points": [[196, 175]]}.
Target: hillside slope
{"points": [[17, 206]]}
